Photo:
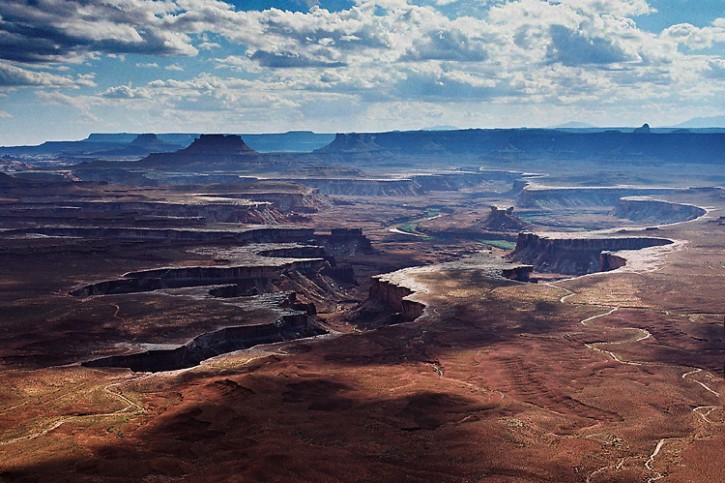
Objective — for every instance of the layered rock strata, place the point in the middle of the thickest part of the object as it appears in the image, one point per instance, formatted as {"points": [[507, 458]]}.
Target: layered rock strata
{"points": [[400, 290], [410, 186], [565, 197], [249, 234], [576, 256], [623, 146], [295, 321], [647, 210]]}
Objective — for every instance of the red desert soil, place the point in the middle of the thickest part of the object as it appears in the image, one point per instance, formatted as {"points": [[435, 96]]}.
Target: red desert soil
{"points": [[609, 377]]}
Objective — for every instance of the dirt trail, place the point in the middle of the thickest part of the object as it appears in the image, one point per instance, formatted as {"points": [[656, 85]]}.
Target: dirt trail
{"points": [[129, 406], [648, 463], [644, 334]]}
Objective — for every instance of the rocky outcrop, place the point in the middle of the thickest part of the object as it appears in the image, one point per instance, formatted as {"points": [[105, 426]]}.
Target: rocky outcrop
{"points": [[411, 186], [175, 277], [217, 144], [305, 202], [609, 261], [496, 224], [520, 273], [576, 256], [208, 152], [557, 198], [252, 235], [299, 251], [351, 143], [652, 211], [454, 181], [396, 291], [345, 242], [396, 297], [362, 187], [142, 145], [297, 322], [207, 208], [643, 129], [293, 141], [341, 273], [501, 220], [250, 269]]}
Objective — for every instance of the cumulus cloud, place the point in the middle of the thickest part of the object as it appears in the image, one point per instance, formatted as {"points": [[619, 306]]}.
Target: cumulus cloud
{"points": [[447, 45], [14, 76], [361, 54], [126, 92], [289, 59], [716, 69], [60, 30], [696, 38], [571, 47]]}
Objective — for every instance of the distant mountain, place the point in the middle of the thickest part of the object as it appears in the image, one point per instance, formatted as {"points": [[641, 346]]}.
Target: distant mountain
{"points": [[289, 142], [208, 151], [142, 145], [129, 144], [574, 125], [703, 122], [444, 127], [640, 144]]}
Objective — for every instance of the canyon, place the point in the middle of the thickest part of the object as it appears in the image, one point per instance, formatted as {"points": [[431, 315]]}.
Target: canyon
{"points": [[526, 305]]}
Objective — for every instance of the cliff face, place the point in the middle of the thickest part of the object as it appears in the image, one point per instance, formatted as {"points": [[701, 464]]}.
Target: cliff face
{"points": [[217, 144], [209, 151], [257, 235], [554, 198], [656, 211], [346, 242], [395, 291], [252, 275], [521, 273], [351, 143], [609, 261], [295, 322], [142, 145], [543, 143], [394, 296], [501, 220], [302, 202], [362, 187], [577, 256], [414, 185]]}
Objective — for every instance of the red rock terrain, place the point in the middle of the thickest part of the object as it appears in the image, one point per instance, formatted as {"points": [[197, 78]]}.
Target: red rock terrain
{"points": [[612, 376]]}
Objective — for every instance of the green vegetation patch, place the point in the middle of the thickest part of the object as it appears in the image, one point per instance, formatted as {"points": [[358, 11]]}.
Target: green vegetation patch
{"points": [[502, 244]]}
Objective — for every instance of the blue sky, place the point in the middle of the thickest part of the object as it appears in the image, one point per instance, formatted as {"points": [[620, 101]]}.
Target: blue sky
{"points": [[71, 67]]}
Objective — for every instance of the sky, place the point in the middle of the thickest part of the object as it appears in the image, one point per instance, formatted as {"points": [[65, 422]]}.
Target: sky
{"points": [[72, 67]]}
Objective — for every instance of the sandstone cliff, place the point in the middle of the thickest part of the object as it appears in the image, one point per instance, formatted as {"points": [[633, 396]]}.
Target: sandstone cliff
{"points": [[609, 146], [652, 211], [294, 321], [576, 256]]}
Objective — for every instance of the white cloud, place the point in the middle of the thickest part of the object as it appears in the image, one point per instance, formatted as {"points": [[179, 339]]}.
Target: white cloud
{"points": [[696, 38], [14, 76], [60, 30], [437, 55], [126, 92]]}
